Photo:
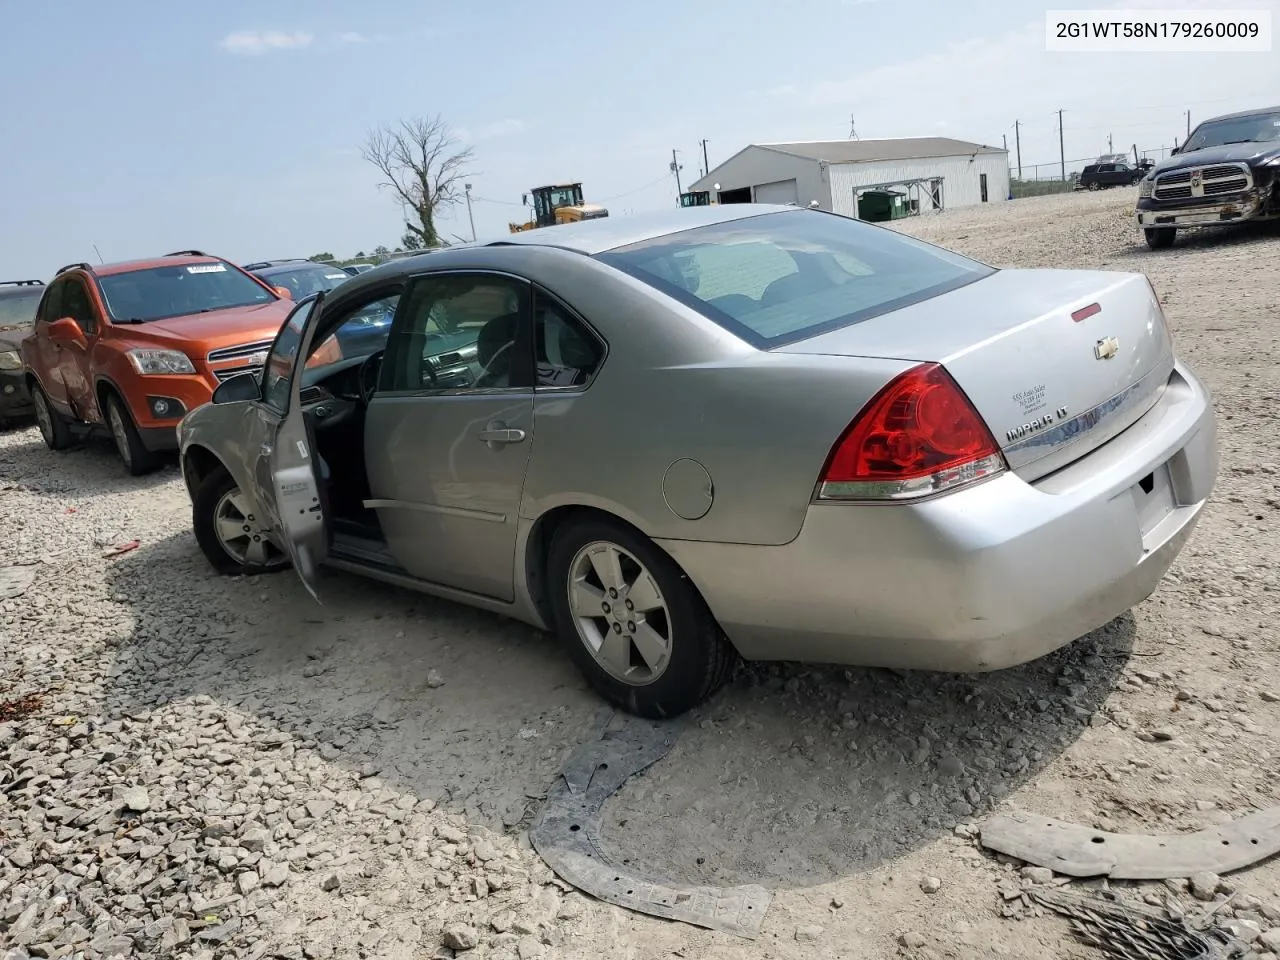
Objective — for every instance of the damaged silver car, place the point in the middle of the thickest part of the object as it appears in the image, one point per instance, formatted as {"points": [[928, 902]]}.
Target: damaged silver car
{"points": [[745, 430]]}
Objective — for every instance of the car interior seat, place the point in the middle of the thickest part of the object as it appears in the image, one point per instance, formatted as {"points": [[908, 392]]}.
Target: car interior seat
{"points": [[494, 350]]}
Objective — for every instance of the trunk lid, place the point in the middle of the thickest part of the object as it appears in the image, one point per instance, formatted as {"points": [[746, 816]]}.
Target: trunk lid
{"points": [[1050, 388]]}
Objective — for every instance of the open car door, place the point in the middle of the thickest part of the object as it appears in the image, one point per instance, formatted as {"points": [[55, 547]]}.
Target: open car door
{"points": [[293, 492]]}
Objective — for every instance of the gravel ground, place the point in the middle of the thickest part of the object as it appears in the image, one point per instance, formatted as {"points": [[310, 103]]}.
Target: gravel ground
{"points": [[193, 766]]}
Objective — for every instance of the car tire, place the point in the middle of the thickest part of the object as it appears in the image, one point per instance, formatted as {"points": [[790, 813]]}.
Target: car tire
{"points": [[209, 508], [137, 459], [1160, 238], [54, 429], [677, 629]]}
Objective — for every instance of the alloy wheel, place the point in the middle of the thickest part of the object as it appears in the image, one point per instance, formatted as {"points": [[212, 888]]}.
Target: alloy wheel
{"points": [[619, 613], [242, 535]]}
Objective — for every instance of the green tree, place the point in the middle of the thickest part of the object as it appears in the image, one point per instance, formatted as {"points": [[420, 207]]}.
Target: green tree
{"points": [[380, 251], [410, 241], [423, 164], [321, 257]]}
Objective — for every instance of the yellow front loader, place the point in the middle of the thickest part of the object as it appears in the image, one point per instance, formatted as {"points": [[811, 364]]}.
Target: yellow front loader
{"points": [[558, 203]]}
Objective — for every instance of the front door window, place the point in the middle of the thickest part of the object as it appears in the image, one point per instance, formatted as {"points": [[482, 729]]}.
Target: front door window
{"points": [[277, 375]]}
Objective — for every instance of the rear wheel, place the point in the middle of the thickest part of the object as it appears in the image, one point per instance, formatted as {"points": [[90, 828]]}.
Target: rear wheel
{"points": [[231, 535], [137, 458], [1160, 238], [55, 430], [634, 623]]}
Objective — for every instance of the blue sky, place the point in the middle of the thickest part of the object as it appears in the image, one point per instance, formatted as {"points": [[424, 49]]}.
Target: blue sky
{"points": [[235, 127]]}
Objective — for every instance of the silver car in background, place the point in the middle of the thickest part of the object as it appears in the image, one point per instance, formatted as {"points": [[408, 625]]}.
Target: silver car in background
{"points": [[737, 430]]}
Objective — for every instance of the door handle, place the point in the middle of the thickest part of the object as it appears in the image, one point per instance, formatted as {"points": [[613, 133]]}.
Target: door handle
{"points": [[266, 449], [499, 434]]}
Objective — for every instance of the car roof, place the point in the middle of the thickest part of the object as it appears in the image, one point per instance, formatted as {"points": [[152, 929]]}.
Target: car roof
{"points": [[596, 236], [1256, 112], [273, 268], [149, 263], [586, 236], [13, 288]]}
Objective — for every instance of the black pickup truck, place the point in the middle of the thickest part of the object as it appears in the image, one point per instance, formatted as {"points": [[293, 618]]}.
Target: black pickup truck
{"points": [[1227, 172]]}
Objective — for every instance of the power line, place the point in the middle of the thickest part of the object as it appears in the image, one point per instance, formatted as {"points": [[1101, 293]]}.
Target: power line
{"points": [[654, 183], [505, 203], [509, 203]]}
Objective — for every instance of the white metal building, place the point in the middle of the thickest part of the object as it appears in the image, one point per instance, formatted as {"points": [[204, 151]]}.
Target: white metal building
{"points": [[930, 173]]}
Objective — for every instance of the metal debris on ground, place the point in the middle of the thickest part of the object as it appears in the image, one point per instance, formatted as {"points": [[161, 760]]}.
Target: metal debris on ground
{"points": [[120, 548], [567, 834], [1077, 851], [1132, 932]]}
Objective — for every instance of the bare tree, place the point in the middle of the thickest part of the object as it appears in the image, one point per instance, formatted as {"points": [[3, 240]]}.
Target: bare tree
{"points": [[424, 165]]}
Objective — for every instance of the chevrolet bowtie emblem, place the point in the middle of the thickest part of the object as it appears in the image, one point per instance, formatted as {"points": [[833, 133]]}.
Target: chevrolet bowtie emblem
{"points": [[1106, 348]]}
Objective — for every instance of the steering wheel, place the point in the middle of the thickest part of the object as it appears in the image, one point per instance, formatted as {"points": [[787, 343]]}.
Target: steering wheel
{"points": [[368, 378]]}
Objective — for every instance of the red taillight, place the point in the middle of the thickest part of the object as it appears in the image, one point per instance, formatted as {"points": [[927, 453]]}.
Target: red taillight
{"points": [[918, 436], [1084, 313]]}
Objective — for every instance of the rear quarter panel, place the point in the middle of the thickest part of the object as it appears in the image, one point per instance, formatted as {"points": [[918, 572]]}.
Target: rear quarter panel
{"points": [[673, 386]]}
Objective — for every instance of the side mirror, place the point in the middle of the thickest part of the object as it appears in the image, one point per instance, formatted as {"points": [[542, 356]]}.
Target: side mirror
{"points": [[238, 389], [1175, 151], [67, 330], [283, 292]]}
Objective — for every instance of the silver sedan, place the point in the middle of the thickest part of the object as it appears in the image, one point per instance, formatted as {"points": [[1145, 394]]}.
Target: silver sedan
{"points": [[722, 431]]}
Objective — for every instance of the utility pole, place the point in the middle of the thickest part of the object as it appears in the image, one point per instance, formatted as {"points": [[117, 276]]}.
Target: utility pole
{"points": [[1110, 146], [1004, 138], [1017, 142], [1188, 123], [706, 164], [1062, 152], [467, 188], [676, 168]]}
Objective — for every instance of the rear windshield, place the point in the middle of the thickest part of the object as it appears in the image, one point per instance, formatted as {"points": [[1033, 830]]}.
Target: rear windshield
{"points": [[781, 277], [179, 290], [303, 281], [18, 309]]}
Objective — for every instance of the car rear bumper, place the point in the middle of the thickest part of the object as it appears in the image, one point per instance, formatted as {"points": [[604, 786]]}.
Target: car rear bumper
{"points": [[985, 578], [1203, 215], [15, 398]]}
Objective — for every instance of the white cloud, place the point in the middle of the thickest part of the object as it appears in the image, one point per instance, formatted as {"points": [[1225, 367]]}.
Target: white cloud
{"points": [[353, 37], [254, 42]]}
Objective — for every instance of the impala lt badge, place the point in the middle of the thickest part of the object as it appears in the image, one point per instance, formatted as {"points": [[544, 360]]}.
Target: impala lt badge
{"points": [[1106, 348]]}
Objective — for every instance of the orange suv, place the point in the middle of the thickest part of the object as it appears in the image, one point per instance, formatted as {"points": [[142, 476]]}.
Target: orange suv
{"points": [[129, 348]]}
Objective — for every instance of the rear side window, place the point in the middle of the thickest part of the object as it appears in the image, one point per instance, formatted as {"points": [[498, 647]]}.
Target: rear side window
{"points": [[781, 277]]}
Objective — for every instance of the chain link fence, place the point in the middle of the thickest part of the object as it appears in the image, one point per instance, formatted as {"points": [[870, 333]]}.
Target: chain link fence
{"points": [[1039, 179]]}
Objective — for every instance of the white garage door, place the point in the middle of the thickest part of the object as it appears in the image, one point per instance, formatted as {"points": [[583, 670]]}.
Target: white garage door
{"points": [[783, 191]]}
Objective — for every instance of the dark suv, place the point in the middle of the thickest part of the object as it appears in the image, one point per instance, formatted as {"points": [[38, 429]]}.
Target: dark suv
{"points": [[1097, 176], [19, 300], [1227, 172]]}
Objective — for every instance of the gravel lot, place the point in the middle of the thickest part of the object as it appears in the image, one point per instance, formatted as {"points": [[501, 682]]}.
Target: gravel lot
{"points": [[193, 766]]}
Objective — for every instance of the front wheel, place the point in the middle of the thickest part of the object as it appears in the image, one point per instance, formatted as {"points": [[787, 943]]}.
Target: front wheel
{"points": [[635, 624], [231, 535], [136, 457], [1159, 238], [54, 430]]}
